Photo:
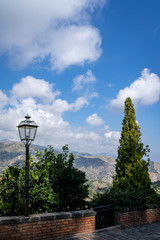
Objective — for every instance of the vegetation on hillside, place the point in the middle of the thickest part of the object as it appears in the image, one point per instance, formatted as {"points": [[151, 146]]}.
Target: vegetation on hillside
{"points": [[156, 186]]}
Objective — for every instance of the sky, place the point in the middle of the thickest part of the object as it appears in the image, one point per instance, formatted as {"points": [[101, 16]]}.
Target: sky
{"points": [[71, 64]]}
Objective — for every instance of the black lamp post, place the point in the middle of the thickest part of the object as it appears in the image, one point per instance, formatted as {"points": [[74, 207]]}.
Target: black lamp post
{"points": [[27, 132]]}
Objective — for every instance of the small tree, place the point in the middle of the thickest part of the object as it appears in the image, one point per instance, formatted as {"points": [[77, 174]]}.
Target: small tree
{"points": [[131, 184], [12, 191], [131, 169], [55, 185], [67, 182]]}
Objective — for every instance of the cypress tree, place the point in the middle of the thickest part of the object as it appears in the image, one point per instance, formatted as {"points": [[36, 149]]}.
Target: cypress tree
{"points": [[131, 169]]}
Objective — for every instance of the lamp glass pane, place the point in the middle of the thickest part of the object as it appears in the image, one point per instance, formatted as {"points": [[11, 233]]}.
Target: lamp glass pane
{"points": [[21, 133], [27, 132], [32, 133]]}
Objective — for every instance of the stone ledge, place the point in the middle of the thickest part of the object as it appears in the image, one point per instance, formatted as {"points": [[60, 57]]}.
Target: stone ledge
{"points": [[45, 217]]}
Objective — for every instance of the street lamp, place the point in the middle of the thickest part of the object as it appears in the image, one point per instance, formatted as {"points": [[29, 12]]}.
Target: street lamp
{"points": [[27, 132]]}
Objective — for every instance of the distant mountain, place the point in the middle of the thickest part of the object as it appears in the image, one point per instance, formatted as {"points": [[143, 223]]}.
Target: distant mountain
{"points": [[97, 168], [12, 152], [102, 168]]}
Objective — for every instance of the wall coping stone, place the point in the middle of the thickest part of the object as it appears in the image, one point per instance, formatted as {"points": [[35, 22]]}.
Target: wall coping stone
{"points": [[136, 210], [45, 217]]}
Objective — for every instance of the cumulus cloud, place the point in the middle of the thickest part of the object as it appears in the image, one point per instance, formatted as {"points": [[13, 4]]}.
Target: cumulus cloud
{"points": [[82, 80], [62, 105], [34, 88], [48, 114], [60, 31], [85, 84], [112, 134], [143, 91], [94, 120], [112, 137], [3, 99], [74, 45]]}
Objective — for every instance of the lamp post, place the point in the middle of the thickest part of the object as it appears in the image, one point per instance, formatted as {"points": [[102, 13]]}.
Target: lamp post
{"points": [[27, 132]]}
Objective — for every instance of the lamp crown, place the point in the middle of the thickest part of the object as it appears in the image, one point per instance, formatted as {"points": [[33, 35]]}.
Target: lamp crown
{"points": [[27, 116]]}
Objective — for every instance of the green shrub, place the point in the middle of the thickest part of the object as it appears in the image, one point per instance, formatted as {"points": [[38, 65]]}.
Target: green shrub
{"points": [[129, 199], [55, 185]]}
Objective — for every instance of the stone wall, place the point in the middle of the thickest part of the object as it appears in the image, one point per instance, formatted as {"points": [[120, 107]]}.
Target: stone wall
{"points": [[47, 226], [137, 217], [66, 224]]}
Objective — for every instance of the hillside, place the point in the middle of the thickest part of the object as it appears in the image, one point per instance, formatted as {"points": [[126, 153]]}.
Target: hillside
{"points": [[156, 186], [12, 152], [99, 169]]}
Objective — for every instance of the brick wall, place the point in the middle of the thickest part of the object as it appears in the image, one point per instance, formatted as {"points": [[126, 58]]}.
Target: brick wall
{"points": [[47, 226], [138, 217]]}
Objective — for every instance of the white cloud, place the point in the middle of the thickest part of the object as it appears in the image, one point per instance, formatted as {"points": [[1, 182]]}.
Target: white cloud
{"points": [[61, 106], [112, 138], [34, 88], [85, 84], [59, 30], [79, 103], [53, 128], [73, 45], [81, 80], [112, 134], [94, 120], [143, 91], [3, 99]]}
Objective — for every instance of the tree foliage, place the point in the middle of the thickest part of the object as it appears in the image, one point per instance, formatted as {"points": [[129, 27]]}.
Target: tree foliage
{"points": [[131, 185], [55, 185], [12, 191], [131, 168], [129, 199]]}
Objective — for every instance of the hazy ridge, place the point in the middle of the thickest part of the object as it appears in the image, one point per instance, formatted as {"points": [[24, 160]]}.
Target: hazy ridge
{"points": [[97, 168]]}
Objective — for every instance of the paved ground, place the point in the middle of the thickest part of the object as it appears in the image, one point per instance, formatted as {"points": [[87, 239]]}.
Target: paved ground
{"points": [[147, 231]]}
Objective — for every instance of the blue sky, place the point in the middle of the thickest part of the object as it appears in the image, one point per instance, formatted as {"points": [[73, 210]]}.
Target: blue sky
{"points": [[71, 64]]}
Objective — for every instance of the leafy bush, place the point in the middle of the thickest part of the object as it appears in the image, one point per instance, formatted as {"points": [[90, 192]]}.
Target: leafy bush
{"points": [[129, 199], [55, 185], [12, 191]]}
